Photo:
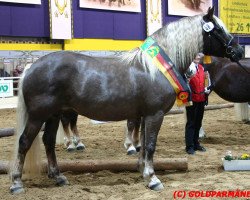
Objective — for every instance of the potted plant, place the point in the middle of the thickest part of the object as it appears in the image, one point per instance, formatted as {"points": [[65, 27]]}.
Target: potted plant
{"points": [[236, 163]]}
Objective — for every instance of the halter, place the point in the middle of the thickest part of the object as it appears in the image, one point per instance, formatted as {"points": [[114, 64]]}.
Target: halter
{"points": [[209, 28]]}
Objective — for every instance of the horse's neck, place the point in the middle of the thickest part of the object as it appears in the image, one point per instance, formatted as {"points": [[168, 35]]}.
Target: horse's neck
{"points": [[177, 56], [215, 69]]}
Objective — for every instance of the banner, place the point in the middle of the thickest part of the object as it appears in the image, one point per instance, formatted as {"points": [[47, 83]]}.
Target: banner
{"points": [[120, 5], [60, 19], [22, 1], [154, 16], [6, 88], [236, 15]]}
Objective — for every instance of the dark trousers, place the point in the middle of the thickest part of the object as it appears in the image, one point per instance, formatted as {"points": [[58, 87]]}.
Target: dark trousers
{"points": [[194, 122]]}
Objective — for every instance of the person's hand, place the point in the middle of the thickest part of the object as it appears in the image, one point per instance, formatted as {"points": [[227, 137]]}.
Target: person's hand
{"points": [[191, 71], [207, 91]]}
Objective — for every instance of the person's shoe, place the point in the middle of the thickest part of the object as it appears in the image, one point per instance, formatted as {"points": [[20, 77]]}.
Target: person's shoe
{"points": [[190, 151], [200, 148]]}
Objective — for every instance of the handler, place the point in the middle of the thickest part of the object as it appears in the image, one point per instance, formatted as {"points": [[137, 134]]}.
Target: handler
{"points": [[196, 111]]}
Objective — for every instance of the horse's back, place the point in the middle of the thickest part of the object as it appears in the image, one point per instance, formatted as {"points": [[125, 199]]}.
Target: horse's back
{"points": [[95, 87]]}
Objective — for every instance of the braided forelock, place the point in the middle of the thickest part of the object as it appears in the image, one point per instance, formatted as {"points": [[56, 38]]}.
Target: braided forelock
{"points": [[181, 40]]}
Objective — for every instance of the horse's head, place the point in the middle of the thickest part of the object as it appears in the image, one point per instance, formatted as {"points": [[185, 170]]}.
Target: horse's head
{"points": [[217, 40]]}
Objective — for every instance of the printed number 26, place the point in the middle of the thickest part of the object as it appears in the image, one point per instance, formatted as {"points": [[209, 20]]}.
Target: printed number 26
{"points": [[240, 27]]}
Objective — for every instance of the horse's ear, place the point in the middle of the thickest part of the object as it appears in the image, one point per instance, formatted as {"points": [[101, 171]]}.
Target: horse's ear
{"points": [[210, 13]]}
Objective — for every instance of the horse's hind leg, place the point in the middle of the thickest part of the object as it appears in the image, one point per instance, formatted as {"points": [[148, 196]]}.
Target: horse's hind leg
{"points": [[49, 140], [76, 138], [25, 141], [131, 142], [136, 136], [150, 129]]}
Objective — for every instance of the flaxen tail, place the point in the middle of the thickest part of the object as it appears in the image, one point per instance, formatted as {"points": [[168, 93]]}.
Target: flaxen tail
{"points": [[32, 165]]}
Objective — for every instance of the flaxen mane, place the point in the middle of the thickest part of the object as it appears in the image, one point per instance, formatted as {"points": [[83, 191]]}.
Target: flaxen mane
{"points": [[181, 40], [172, 38]]}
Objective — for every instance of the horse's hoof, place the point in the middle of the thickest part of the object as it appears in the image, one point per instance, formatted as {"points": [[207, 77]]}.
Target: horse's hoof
{"points": [[131, 150], [62, 180], [71, 148], [156, 186], [80, 146], [16, 189]]}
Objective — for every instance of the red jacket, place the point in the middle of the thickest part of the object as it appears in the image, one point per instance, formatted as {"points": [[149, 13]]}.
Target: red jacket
{"points": [[197, 85]]}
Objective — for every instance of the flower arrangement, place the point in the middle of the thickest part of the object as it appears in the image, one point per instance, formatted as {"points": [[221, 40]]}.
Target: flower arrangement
{"points": [[229, 156], [235, 163]]}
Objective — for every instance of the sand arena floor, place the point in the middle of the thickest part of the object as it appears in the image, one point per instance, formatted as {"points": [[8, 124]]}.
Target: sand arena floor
{"points": [[105, 141]]}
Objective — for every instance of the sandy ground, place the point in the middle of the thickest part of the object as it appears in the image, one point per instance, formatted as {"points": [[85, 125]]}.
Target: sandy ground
{"points": [[105, 141]]}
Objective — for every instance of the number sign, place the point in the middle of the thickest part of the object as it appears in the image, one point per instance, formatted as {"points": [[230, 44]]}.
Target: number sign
{"points": [[236, 15]]}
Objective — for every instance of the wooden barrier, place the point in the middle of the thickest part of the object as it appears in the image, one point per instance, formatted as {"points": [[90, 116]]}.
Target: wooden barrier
{"points": [[209, 107], [81, 166], [5, 132]]}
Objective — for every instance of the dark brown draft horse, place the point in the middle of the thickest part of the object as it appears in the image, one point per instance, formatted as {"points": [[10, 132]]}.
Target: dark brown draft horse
{"points": [[230, 81], [116, 88]]}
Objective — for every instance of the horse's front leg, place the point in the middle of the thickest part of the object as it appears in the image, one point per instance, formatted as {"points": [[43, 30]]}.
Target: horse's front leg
{"points": [[150, 129], [132, 142], [25, 141], [49, 140]]}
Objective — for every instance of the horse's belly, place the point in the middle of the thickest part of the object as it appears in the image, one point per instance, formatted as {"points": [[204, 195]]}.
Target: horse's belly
{"points": [[109, 112]]}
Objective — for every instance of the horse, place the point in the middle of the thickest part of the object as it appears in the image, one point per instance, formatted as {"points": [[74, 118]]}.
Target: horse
{"points": [[192, 4], [119, 2], [111, 1], [232, 83], [121, 87], [69, 118]]}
